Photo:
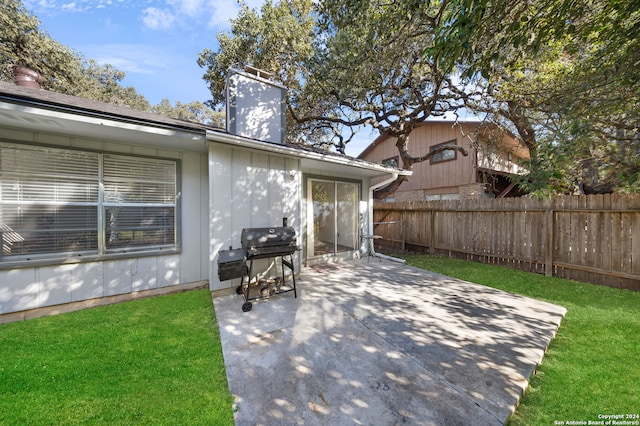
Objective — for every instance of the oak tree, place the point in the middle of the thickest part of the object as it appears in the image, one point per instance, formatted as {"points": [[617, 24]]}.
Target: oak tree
{"points": [[23, 42]]}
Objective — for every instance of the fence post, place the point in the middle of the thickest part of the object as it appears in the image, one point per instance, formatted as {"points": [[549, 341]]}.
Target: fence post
{"points": [[548, 255], [432, 231]]}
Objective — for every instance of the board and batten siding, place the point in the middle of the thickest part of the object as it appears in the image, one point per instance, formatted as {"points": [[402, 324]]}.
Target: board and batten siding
{"points": [[249, 189], [27, 288]]}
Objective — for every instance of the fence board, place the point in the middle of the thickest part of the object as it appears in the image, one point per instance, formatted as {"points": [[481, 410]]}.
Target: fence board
{"points": [[606, 233], [588, 238]]}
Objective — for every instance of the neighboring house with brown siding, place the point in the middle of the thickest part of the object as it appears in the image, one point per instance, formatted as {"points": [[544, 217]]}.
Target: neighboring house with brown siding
{"points": [[493, 155]]}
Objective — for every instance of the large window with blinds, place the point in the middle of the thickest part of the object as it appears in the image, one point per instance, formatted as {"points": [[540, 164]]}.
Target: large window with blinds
{"points": [[60, 203]]}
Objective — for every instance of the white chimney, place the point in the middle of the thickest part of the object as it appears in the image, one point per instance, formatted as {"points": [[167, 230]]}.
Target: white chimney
{"points": [[256, 106]]}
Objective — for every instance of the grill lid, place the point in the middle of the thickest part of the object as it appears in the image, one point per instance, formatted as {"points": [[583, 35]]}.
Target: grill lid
{"points": [[231, 256], [256, 238]]}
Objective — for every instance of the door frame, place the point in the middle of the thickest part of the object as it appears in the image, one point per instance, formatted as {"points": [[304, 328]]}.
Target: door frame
{"points": [[309, 179]]}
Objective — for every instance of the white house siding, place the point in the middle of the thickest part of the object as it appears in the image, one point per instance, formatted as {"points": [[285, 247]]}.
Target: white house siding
{"points": [[249, 189], [40, 286]]}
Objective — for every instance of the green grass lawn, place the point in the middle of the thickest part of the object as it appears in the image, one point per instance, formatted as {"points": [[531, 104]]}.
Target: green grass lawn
{"points": [[152, 361], [159, 360], [592, 367]]}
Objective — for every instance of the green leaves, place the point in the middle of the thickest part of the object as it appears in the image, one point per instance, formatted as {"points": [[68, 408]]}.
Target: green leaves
{"points": [[537, 68], [278, 39], [195, 111], [550, 67], [23, 42]]}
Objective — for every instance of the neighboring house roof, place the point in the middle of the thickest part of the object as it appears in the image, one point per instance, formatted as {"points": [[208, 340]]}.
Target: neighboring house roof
{"points": [[101, 120]]}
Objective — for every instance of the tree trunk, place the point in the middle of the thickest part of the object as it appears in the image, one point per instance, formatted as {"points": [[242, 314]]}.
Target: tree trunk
{"points": [[517, 114]]}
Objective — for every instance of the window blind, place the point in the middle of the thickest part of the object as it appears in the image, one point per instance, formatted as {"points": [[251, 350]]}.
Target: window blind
{"points": [[140, 202], [52, 205], [48, 200]]}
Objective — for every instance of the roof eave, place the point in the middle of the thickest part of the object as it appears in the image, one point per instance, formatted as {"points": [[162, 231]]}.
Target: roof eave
{"points": [[373, 169]]}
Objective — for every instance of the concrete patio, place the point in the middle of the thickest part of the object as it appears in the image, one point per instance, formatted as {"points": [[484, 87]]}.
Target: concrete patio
{"points": [[382, 343]]}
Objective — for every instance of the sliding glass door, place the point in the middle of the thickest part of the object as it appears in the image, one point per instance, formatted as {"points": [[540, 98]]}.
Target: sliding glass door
{"points": [[333, 217]]}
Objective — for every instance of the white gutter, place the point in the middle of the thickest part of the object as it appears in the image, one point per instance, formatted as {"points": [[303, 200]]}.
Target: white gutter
{"points": [[372, 188], [136, 124], [213, 136]]}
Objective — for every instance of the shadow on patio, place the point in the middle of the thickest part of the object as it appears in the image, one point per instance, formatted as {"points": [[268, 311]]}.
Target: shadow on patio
{"points": [[382, 343]]}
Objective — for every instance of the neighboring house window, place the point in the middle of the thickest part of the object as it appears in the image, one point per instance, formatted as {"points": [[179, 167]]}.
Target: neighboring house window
{"points": [[392, 162], [444, 155], [59, 203]]}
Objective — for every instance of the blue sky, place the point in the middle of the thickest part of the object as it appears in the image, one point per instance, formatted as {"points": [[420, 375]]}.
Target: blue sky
{"points": [[155, 42]]}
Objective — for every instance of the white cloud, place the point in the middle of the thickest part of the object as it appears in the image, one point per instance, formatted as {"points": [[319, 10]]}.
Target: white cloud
{"points": [[221, 11], [52, 6], [188, 7], [215, 12], [73, 7], [32, 5], [157, 19], [132, 58], [165, 14], [70, 6]]}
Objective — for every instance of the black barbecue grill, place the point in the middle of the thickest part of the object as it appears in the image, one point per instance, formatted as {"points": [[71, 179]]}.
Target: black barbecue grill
{"points": [[259, 243], [267, 242]]}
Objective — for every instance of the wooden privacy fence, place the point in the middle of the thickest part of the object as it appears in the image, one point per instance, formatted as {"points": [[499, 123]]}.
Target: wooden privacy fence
{"points": [[593, 238]]}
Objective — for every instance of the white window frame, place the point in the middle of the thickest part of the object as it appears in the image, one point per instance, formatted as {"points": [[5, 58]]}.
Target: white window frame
{"points": [[151, 198]]}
